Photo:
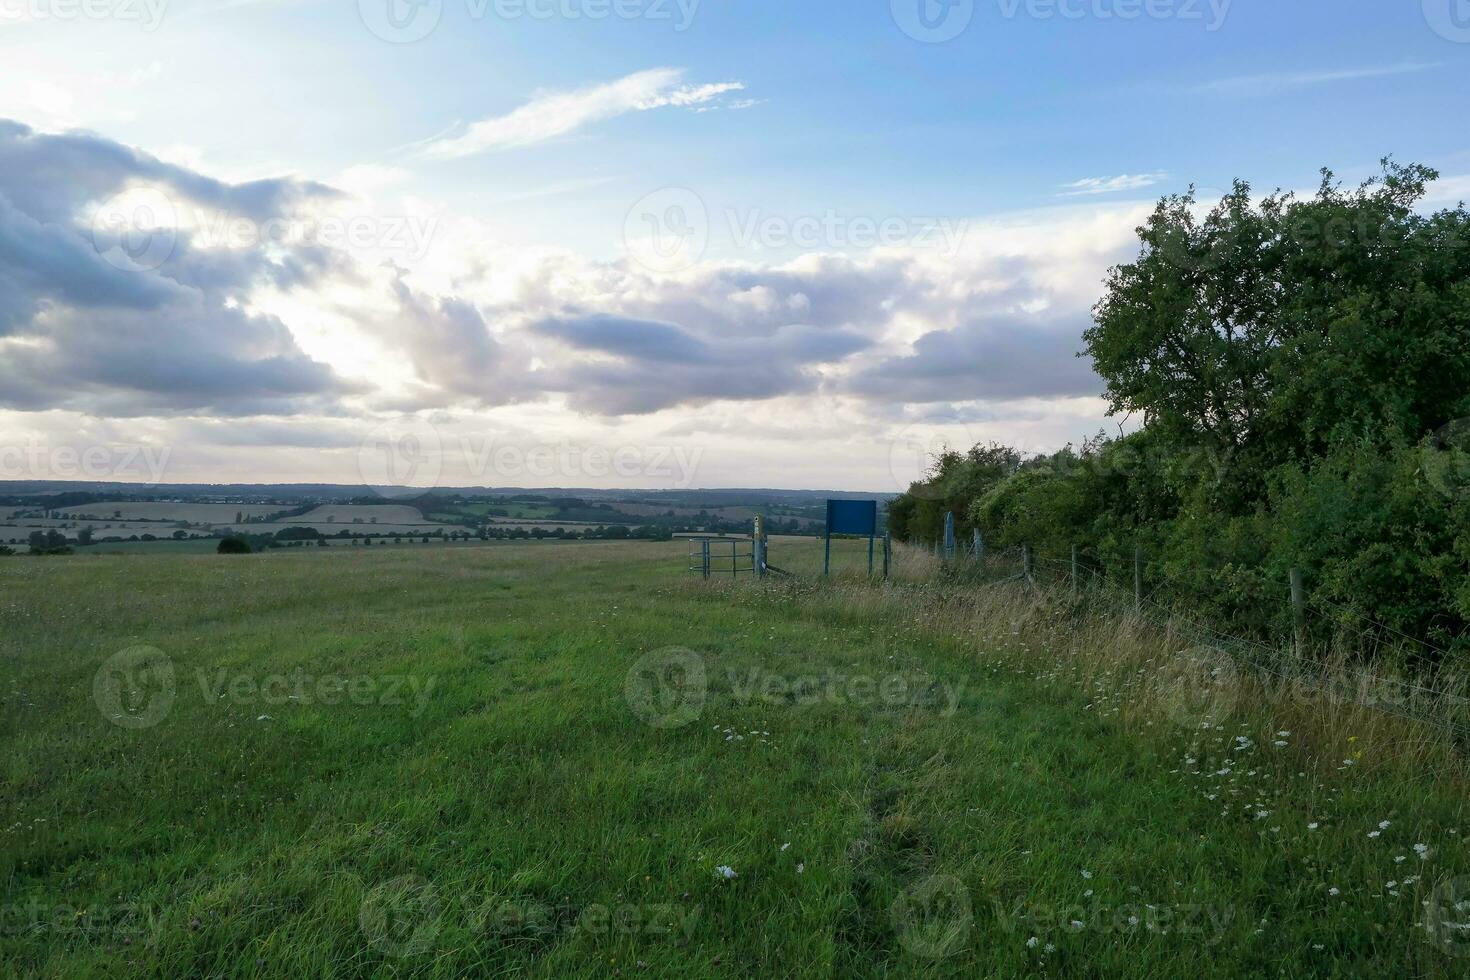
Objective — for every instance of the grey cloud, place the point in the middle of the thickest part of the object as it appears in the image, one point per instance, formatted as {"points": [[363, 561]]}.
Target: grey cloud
{"points": [[453, 351], [77, 332], [999, 359], [50, 176], [186, 357], [656, 365], [644, 340]]}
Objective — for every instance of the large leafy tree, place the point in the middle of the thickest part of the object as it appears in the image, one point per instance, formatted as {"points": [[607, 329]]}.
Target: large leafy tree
{"points": [[1265, 333]]}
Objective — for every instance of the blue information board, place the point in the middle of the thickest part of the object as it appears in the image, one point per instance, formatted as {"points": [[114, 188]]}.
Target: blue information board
{"points": [[851, 517]]}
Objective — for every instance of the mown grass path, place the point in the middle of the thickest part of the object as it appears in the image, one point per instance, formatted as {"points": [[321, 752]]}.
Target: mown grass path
{"points": [[425, 762]]}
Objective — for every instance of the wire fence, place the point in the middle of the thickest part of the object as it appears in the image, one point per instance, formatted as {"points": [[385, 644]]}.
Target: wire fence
{"points": [[1341, 656]]}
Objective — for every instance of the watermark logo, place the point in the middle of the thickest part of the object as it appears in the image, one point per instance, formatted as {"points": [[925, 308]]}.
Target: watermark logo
{"points": [[400, 21], [1450, 19], [1447, 917], [401, 454], [400, 918], [667, 688], [934, 917], [1197, 686], [135, 688], [933, 21], [667, 231], [136, 230]]}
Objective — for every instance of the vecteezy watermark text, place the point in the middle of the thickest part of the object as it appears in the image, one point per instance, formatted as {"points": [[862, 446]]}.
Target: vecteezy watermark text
{"points": [[670, 229], [833, 686], [147, 13], [410, 451], [136, 688], [409, 236], [937, 21], [298, 687], [403, 917], [407, 21], [37, 459]]}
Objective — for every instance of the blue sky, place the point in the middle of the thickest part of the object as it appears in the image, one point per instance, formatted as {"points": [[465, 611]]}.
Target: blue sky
{"points": [[533, 144]]}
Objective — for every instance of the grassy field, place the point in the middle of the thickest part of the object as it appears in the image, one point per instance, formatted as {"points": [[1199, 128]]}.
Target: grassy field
{"points": [[534, 760]]}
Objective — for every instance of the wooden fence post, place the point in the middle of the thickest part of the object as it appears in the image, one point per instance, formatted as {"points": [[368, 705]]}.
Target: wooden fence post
{"points": [[1026, 561], [1138, 577], [1074, 571], [979, 543], [1298, 611]]}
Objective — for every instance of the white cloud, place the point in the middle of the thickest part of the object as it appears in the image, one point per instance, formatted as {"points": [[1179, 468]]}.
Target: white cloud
{"points": [[1268, 83], [550, 115], [1111, 185]]}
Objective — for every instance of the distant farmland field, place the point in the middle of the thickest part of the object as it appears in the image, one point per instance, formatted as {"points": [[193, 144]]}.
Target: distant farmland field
{"points": [[400, 514], [163, 511], [336, 528], [20, 533], [574, 760], [162, 519]]}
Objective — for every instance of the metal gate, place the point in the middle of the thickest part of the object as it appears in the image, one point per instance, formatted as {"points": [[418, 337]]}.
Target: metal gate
{"points": [[722, 556]]}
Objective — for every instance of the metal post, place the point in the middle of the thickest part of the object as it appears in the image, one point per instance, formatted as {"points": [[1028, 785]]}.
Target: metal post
{"points": [[704, 550], [887, 552], [949, 542], [1138, 577], [978, 545], [870, 555], [827, 557], [1298, 610]]}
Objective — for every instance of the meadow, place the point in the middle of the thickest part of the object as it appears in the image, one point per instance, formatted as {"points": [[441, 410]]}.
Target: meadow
{"points": [[573, 760]]}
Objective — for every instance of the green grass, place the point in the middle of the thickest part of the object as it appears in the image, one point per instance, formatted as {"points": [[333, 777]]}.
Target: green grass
{"points": [[489, 800]]}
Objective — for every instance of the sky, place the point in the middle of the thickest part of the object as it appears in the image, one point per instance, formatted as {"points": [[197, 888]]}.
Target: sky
{"points": [[631, 243]]}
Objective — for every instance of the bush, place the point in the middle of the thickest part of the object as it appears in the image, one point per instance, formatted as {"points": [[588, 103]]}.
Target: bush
{"points": [[233, 546]]}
